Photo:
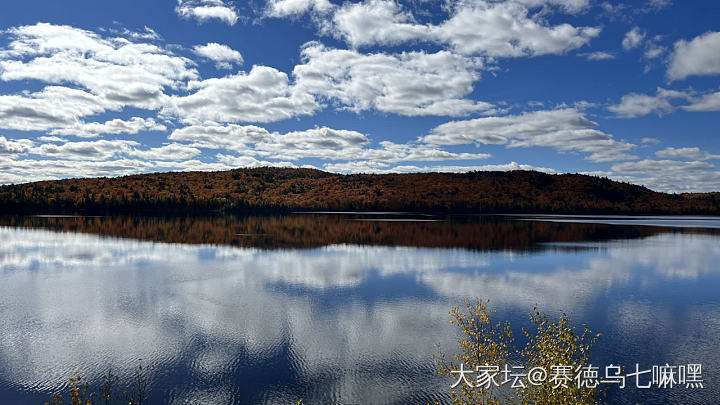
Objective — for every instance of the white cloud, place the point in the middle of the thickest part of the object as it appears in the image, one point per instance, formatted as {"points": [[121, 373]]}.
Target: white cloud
{"points": [[223, 56], [653, 50], [568, 6], [193, 165], [507, 30], [261, 95], [381, 167], [599, 55], [321, 143], [291, 8], [95, 150], [635, 105], [377, 22], [325, 143], [53, 107], [564, 129], [51, 169], [10, 147], [411, 83], [393, 152], [690, 153], [147, 34], [51, 139], [115, 126], [250, 162], [100, 150], [204, 10], [173, 152], [699, 57], [649, 167], [671, 175], [232, 137], [708, 102], [657, 5], [118, 71], [633, 39], [497, 29]]}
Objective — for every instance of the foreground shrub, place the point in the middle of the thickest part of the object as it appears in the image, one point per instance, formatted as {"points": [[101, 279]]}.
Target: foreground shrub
{"points": [[482, 369]]}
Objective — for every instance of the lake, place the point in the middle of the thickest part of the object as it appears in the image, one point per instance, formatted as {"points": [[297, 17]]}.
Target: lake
{"points": [[341, 308]]}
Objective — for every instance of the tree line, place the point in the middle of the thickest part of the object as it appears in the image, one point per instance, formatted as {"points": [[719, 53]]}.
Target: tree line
{"points": [[273, 190]]}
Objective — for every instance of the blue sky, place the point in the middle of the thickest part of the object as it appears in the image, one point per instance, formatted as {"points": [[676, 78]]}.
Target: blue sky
{"points": [[626, 90]]}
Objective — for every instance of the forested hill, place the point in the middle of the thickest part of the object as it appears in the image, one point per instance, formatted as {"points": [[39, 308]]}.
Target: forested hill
{"points": [[282, 190]]}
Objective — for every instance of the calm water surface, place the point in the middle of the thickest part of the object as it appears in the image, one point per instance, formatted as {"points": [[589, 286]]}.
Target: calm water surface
{"points": [[344, 309]]}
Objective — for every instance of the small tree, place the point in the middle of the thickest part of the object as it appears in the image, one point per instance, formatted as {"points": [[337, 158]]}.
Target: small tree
{"points": [[482, 343], [553, 346]]}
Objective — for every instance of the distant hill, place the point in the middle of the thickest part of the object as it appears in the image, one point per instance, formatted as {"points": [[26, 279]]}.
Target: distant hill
{"points": [[282, 190]]}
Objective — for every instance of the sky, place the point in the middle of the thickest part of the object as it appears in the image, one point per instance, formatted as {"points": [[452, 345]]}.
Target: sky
{"points": [[628, 90]]}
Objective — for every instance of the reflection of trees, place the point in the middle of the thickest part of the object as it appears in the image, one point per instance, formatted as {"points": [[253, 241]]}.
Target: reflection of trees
{"points": [[310, 231]]}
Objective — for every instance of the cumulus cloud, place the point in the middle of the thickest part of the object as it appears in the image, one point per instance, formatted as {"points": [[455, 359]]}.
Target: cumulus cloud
{"points": [[633, 39], [497, 29], [51, 139], [410, 83], [117, 71], [635, 105], [657, 5], [649, 166], [508, 30], [599, 55], [251, 162], [653, 50], [204, 10], [262, 95], [93, 150], [381, 167], [708, 102], [53, 107], [697, 57], [322, 143], [377, 22], [146, 34], [99, 150], [670, 175], [694, 153], [115, 126], [24, 170], [173, 152], [562, 129], [293, 8], [10, 147], [223, 56], [568, 6]]}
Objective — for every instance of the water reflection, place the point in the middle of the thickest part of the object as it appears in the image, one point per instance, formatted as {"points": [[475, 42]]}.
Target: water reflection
{"points": [[341, 322], [309, 231]]}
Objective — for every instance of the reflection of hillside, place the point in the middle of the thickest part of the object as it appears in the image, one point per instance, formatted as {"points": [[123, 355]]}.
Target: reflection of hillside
{"points": [[310, 231]]}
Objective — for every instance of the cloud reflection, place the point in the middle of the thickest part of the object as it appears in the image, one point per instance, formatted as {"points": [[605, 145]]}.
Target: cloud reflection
{"points": [[81, 302]]}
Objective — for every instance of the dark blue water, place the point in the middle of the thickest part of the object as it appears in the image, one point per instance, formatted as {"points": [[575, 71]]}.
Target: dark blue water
{"points": [[329, 310]]}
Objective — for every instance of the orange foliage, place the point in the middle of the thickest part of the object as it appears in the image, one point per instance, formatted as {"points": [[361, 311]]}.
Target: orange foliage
{"points": [[283, 190]]}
